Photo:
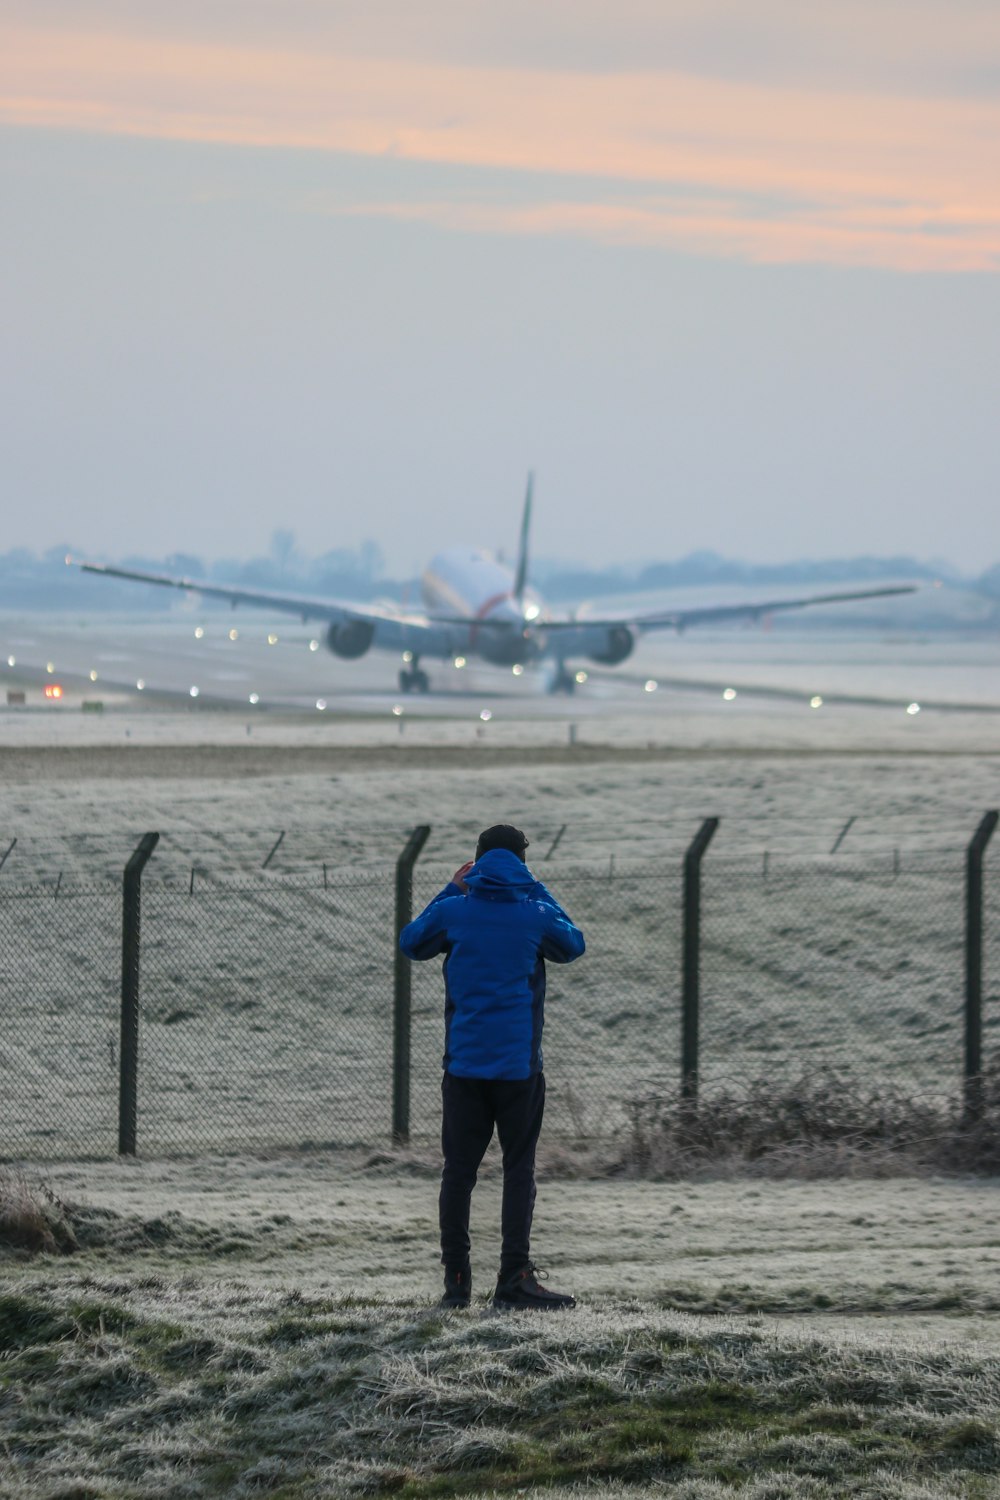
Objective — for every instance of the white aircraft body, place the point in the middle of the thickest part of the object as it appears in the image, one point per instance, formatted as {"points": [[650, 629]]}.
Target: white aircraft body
{"points": [[475, 606]]}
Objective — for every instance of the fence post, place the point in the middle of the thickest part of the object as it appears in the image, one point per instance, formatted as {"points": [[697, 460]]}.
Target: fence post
{"points": [[973, 1081], [401, 997], [691, 959], [128, 1051]]}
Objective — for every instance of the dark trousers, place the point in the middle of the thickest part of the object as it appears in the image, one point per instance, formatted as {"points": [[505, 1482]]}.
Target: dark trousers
{"points": [[471, 1109]]}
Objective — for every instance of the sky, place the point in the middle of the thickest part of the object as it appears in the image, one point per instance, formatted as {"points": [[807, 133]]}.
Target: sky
{"points": [[724, 276]]}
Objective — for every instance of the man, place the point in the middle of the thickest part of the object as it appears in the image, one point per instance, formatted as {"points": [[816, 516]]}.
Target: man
{"points": [[496, 925]]}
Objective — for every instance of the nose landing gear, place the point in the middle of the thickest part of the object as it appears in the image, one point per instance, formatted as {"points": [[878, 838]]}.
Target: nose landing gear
{"points": [[414, 679]]}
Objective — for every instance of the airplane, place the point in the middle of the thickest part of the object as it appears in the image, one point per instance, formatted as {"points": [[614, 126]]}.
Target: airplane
{"points": [[476, 606]]}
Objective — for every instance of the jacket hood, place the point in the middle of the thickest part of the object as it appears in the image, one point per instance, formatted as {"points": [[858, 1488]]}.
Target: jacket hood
{"points": [[500, 875]]}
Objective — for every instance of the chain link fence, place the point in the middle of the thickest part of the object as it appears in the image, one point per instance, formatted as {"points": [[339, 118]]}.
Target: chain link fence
{"points": [[266, 1002], [266, 1016], [851, 966], [59, 983]]}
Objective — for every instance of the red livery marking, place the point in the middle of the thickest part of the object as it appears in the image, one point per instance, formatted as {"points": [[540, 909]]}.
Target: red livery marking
{"points": [[483, 611]]}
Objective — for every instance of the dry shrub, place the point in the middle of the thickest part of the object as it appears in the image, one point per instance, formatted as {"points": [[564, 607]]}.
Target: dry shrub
{"points": [[32, 1218], [821, 1123]]}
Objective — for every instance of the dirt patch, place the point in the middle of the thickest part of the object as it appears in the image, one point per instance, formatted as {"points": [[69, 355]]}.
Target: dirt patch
{"points": [[243, 762]]}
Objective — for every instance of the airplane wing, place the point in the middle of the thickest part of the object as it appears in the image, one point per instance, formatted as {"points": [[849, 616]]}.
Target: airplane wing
{"points": [[300, 605], [295, 604], [308, 608], [680, 619]]}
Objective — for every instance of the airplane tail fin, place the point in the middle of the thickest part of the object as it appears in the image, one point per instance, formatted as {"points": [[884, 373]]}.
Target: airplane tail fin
{"points": [[521, 576]]}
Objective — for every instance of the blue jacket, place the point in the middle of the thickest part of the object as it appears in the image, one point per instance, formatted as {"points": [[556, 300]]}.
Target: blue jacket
{"points": [[495, 941]]}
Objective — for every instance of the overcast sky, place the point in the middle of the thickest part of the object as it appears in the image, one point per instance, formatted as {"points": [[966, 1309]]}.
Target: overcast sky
{"points": [[724, 275]]}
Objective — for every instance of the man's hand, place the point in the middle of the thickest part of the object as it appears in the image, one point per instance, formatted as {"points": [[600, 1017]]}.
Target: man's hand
{"points": [[459, 876]]}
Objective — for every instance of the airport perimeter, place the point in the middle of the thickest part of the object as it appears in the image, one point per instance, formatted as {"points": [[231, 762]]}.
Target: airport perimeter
{"points": [[271, 1011]]}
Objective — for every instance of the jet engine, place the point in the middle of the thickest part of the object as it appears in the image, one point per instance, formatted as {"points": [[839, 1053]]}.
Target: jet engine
{"points": [[350, 638], [618, 643]]}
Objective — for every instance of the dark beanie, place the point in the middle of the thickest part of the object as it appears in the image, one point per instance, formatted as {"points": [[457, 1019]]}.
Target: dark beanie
{"points": [[501, 836]]}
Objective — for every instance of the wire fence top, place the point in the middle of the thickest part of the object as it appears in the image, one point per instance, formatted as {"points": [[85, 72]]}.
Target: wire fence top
{"points": [[341, 851]]}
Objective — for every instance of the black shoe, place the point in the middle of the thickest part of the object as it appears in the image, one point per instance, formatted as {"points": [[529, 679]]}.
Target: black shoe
{"points": [[457, 1287], [522, 1289]]}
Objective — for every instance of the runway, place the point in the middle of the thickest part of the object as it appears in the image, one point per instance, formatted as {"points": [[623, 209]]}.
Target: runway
{"points": [[210, 658], [256, 664]]}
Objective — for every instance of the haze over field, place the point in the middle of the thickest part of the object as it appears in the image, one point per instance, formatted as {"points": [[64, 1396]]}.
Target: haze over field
{"points": [[352, 270]]}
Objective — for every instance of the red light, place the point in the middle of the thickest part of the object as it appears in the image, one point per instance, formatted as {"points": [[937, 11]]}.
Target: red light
{"points": [[53, 690]]}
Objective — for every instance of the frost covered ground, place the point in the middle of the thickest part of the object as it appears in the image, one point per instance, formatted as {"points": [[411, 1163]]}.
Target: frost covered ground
{"points": [[239, 1328], [894, 1247], [832, 918]]}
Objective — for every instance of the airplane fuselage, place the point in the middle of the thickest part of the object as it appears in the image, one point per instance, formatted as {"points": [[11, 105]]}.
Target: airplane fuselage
{"points": [[464, 583]]}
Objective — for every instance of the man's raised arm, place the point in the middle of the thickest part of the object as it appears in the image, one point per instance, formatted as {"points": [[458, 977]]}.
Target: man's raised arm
{"points": [[426, 935], [563, 940]]}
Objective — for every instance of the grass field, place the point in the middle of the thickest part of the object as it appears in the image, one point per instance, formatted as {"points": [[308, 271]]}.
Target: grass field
{"points": [[244, 1328], [230, 1326]]}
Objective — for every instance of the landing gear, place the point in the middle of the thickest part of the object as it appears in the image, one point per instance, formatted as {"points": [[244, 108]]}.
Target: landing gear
{"points": [[414, 679], [562, 681]]}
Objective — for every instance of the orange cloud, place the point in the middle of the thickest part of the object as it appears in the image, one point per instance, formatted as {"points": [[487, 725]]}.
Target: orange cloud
{"points": [[718, 228], [762, 173]]}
